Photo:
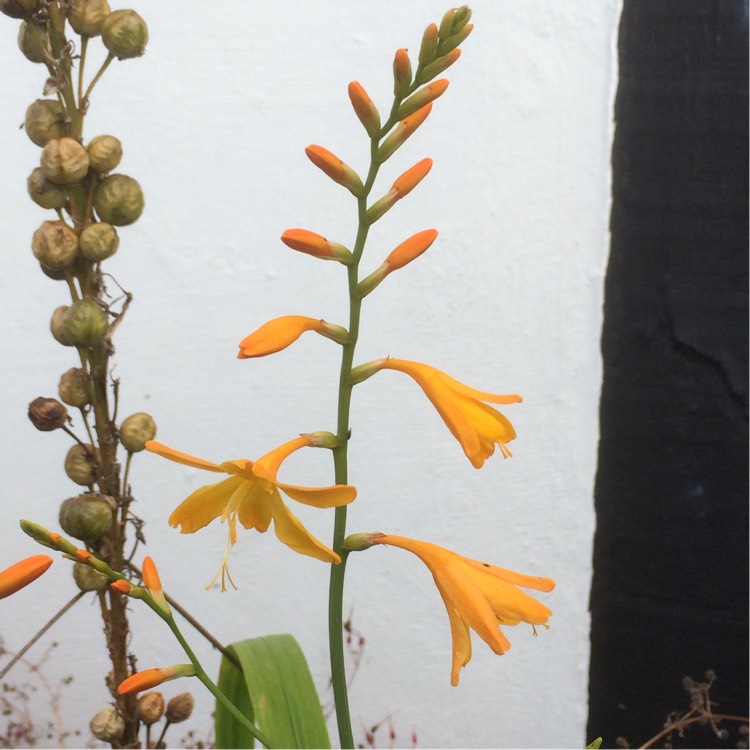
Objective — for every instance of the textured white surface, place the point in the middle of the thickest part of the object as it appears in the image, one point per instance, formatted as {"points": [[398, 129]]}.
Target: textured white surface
{"points": [[214, 120]]}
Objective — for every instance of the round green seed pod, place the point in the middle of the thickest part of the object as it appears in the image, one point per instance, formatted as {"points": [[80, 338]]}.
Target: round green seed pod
{"points": [[18, 8], [55, 245], [81, 465], [75, 387], [88, 579], [86, 16], [64, 161], [32, 41], [44, 120], [86, 517], [136, 431], [118, 200], [85, 323], [45, 193], [99, 241], [125, 34], [105, 153], [57, 325]]}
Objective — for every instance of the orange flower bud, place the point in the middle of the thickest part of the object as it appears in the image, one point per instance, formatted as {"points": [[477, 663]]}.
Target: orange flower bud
{"points": [[365, 110], [83, 555], [22, 573], [149, 678], [410, 249], [412, 177], [419, 98], [121, 586], [153, 584], [315, 244], [279, 333], [402, 131], [401, 73], [335, 169], [438, 66]]}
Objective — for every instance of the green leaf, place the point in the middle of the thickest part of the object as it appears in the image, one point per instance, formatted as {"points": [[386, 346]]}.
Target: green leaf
{"points": [[595, 745], [275, 689]]}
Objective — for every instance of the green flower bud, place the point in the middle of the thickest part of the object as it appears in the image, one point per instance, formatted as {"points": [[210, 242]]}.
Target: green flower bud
{"points": [[47, 414], [118, 200], [105, 152], [57, 325], [136, 431], [32, 41], [86, 16], [85, 323], [43, 192], [81, 465], [99, 241], [18, 8], [88, 579], [74, 387], [124, 34], [55, 245], [64, 161], [45, 119]]}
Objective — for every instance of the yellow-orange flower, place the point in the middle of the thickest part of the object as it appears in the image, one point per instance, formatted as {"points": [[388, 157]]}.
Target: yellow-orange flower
{"points": [[149, 678], [22, 573], [475, 425], [279, 333], [251, 496], [477, 595]]}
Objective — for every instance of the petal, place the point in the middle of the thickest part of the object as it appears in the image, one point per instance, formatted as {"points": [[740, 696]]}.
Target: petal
{"points": [[254, 510], [291, 532], [460, 638], [276, 335], [181, 458], [320, 497], [511, 576], [465, 390], [267, 466], [202, 506]]}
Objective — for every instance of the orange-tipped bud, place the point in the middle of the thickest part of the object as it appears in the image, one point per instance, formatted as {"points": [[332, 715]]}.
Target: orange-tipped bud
{"points": [[438, 66], [121, 586], [83, 555], [149, 678], [364, 108], [47, 538], [55, 538], [425, 95], [428, 48], [280, 333], [336, 169], [402, 131], [412, 177], [410, 249], [311, 243], [153, 584], [22, 573], [401, 73]]}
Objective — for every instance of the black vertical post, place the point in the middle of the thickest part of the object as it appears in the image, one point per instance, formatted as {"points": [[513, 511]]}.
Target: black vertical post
{"points": [[669, 594]]}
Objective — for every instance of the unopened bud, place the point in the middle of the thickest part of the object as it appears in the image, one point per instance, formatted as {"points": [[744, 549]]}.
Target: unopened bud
{"points": [[81, 466], [439, 65], [57, 325], [402, 131], [99, 241], [419, 98], [454, 40], [45, 119], [88, 579], [136, 430], [47, 414], [428, 48], [371, 282], [32, 41], [311, 243], [85, 323], [364, 108], [45, 193], [321, 439], [107, 724], [150, 708], [401, 74], [86, 517], [119, 200], [64, 161], [86, 16], [410, 249], [336, 169], [124, 34], [180, 708], [381, 206], [74, 387], [403, 185], [105, 153], [55, 245]]}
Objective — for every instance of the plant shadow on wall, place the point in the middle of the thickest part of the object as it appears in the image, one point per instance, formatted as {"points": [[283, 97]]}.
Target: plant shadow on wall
{"points": [[264, 691]]}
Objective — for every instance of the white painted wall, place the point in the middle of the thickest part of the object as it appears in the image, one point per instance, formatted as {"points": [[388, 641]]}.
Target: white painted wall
{"points": [[214, 120]]}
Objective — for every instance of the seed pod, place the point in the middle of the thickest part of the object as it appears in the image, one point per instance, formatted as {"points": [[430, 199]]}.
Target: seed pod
{"points": [[47, 414], [118, 200], [136, 430], [99, 241], [57, 325], [32, 41], [150, 708], [43, 192], [88, 579], [45, 119], [18, 8], [180, 708], [75, 387], [86, 16], [85, 323], [105, 152], [125, 34], [107, 724], [64, 161], [86, 517], [55, 245], [81, 466]]}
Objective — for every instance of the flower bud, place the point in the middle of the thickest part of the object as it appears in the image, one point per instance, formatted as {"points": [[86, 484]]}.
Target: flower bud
{"points": [[150, 708], [402, 131], [22, 573], [119, 200], [74, 387], [45, 119], [419, 98], [47, 414], [55, 245], [81, 465], [401, 74], [180, 708], [105, 153], [107, 725], [88, 579], [85, 323], [311, 243], [124, 34], [428, 48], [136, 430], [86, 517], [364, 108], [18, 8], [64, 161], [32, 41], [410, 249], [321, 439], [45, 193], [99, 241], [336, 169], [439, 65], [86, 16], [57, 327], [149, 678]]}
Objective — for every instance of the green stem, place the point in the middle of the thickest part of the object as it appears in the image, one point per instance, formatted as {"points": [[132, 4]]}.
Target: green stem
{"points": [[96, 78]]}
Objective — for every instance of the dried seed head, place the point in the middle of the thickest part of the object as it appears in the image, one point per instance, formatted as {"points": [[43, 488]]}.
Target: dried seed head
{"points": [[105, 153], [125, 34], [85, 323], [86, 16], [180, 708], [32, 41], [55, 245], [86, 517], [119, 200], [88, 579], [107, 724], [99, 241], [75, 387], [18, 8], [45, 193], [136, 431], [64, 161], [56, 326], [81, 465], [47, 414], [150, 708], [45, 119]]}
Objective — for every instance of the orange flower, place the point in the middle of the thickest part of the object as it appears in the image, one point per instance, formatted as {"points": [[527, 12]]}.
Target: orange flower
{"points": [[280, 333], [477, 595], [22, 573], [305, 241], [149, 678], [251, 495]]}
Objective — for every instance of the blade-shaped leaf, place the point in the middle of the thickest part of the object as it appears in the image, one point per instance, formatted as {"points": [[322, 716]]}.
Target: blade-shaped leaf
{"points": [[275, 688]]}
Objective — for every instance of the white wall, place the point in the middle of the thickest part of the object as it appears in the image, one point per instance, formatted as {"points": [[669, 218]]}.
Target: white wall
{"points": [[214, 120]]}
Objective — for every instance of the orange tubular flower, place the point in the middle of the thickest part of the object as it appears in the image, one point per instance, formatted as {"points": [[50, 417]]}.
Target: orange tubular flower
{"points": [[251, 495], [22, 573], [280, 333], [149, 678], [477, 595]]}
